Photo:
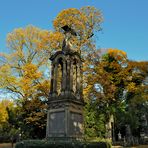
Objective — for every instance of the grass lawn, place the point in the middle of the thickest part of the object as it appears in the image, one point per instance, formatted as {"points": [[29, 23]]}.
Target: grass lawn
{"points": [[8, 145]]}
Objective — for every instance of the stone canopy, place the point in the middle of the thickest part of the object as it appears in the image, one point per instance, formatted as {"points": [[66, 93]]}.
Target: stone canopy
{"points": [[65, 104]]}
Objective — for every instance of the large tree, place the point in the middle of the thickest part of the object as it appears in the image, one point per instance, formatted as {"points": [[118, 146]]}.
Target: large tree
{"points": [[22, 72], [114, 86], [22, 75], [105, 82], [136, 97]]}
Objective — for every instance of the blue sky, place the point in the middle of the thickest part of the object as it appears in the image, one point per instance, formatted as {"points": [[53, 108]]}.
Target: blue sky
{"points": [[125, 23]]}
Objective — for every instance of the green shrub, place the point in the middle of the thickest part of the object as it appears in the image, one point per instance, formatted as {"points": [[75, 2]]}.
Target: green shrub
{"points": [[61, 144], [5, 139], [98, 145]]}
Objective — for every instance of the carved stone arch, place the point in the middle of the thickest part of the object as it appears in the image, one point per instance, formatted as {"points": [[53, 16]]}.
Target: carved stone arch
{"points": [[58, 58], [75, 71], [58, 63]]}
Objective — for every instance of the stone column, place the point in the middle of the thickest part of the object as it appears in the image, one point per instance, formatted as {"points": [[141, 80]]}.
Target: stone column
{"points": [[55, 78], [81, 80], [63, 76], [71, 76], [74, 78], [78, 77], [68, 75], [67, 121], [52, 78]]}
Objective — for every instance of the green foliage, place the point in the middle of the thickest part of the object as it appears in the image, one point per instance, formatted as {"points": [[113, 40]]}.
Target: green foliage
{"points": [[61, 144], [94, 121], [5, 139], [114, 86], [9, 128], [104, 89], [34, 115], [136, 96]]}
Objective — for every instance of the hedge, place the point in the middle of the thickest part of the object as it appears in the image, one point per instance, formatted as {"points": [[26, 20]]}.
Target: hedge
{"points": [[60, 144], [5, 139]]}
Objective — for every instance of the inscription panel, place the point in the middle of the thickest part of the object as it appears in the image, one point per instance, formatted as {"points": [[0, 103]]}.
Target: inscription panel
{"points": [[57, 122], [76, 124]]}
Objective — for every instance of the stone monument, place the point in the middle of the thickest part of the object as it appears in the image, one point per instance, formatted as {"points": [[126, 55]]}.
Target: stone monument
{"points": [[65, 105]]}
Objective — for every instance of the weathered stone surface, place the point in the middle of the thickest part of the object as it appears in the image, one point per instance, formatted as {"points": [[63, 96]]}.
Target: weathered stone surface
{"points": [[57, 122], [65, 113], [65, 119], [76, 124]]}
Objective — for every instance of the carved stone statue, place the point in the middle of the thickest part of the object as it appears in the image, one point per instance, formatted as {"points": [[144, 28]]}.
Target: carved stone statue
{"points": [[70, 34]]}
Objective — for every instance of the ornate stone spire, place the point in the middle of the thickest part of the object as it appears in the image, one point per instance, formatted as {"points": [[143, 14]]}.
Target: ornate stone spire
{"points": [[65, 114]]}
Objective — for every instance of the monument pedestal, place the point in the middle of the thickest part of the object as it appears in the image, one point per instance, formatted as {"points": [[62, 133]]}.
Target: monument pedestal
{"points": [[65, 120]]}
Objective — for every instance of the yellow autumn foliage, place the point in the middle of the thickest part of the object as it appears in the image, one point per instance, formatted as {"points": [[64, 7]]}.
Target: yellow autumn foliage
{"points": [[83, 22], [94, 18], [3, 112], [30, 49], [131, 87], [71, 17], [56, 40], [6, 76], [31, 71], [30, 75], [119, 55]]}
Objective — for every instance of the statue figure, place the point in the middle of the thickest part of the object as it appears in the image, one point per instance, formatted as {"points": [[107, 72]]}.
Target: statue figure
{"points": [[70, 34]]}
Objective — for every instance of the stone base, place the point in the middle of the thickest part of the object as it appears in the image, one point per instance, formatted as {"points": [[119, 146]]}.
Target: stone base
{"points": [[65, 120]]}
